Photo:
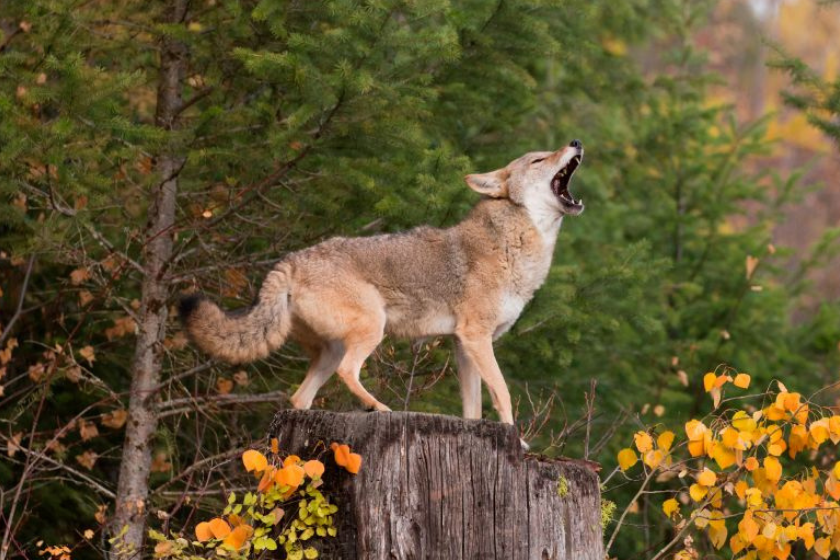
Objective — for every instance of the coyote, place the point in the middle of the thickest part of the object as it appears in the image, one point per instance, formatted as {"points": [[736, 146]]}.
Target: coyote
{"points": [[339, 298]]}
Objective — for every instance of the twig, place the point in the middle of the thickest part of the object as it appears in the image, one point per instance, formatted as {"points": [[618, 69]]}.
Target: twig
{"points": [[91, 482], [17, 314], [178, 406]]}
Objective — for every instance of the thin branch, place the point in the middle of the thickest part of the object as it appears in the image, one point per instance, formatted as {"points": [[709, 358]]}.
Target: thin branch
{"points": [[17, 314], [179, 406], [85, 478]]}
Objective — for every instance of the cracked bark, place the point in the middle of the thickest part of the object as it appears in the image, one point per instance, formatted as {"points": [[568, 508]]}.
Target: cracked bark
{"points": [[143, 416], [441, 487]]}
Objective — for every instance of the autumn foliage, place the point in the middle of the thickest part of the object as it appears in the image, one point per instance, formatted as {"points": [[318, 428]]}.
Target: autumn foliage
{"points": [[760, 473], [259, 522]]}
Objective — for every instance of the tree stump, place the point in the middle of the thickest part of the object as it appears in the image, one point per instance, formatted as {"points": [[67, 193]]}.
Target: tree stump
{"points": [[442, 487]]}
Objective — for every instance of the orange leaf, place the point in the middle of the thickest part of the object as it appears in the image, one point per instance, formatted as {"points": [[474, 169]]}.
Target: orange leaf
{"points": [[314, 468], [275, 446], [203, 532], [219, 527], [237, 538], [709, 381], [342, 452], [354, 463], [254, 461], [291, 460], [751, 463], [291, 475], [742, 381], [266, 481]]}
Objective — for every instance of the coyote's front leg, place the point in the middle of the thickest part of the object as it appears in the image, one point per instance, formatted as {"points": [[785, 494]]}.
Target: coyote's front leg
{"points": [[470, 379], [478, 352]]}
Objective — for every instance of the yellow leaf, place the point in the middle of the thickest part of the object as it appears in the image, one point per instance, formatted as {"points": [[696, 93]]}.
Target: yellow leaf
{"points": [[773, 469], [665, 440], [743, 422], [709, 381], [742, 381], [769, 531], [819, 431], [741, 489], [654, 458], [736, 543], [696, 448], [707, 477], [717, 534], [695, 430], [643, 441], [806, 533], [697, 492], [724, 457], [837, 469], [627, 458], [748, 528], [777, 448], [670, 507], [254, 461], [822, 546]]}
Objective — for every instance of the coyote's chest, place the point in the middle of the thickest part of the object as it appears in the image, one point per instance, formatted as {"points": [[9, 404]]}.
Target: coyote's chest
{"points": [[528, 268]]}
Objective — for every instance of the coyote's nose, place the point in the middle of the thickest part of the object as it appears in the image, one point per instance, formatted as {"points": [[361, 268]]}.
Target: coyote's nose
{"points": [[576, 143]]}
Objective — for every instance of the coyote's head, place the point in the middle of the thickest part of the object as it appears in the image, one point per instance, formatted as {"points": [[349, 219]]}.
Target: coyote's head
{"points": [[538, 180]]}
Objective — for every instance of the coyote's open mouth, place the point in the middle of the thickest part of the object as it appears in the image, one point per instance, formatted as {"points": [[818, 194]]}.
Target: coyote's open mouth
{"points": [[560, 186]]}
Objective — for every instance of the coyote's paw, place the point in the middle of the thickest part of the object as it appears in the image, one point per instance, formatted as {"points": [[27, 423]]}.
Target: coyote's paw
{"points": [[379, 407]]}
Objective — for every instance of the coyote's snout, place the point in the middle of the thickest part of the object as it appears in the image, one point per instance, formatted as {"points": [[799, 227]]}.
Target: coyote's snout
{"points": [[340, 297]]}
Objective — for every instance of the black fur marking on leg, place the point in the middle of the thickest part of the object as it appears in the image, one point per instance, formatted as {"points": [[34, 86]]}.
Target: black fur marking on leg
{"points": [[188, 305]]}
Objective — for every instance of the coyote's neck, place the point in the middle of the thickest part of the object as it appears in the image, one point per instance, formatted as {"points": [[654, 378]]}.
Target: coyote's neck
{"points": [[547, 221]]}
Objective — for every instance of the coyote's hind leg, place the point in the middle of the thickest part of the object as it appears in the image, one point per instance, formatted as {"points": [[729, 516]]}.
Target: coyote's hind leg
{"points": [[358, 345], [325, 358]]}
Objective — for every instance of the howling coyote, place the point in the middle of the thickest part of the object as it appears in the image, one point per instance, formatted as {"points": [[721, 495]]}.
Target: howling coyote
{"points": [[340, 297]]}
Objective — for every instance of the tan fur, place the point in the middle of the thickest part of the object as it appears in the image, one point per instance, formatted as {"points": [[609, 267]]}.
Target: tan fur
{"points": [[340, 297]]}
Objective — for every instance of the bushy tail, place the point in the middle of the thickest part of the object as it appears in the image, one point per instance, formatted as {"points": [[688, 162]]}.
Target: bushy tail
{"points": [[243, 335]]}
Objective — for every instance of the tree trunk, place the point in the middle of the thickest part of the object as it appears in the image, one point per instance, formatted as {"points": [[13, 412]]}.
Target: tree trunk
{"points": [[441, 487], [133, 486]]}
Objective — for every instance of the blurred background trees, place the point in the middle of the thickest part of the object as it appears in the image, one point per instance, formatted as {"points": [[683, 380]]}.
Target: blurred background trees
{"points": [[709, 181]]}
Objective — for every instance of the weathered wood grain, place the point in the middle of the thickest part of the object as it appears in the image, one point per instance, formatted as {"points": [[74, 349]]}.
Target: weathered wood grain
{"points": [[442, 487]]}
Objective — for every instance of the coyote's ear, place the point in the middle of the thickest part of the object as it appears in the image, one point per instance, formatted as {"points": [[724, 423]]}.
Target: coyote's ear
{"points": [[490, 184]]}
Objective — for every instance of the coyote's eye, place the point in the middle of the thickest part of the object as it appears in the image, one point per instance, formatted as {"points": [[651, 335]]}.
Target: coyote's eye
{"points": [[537, 160]]}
